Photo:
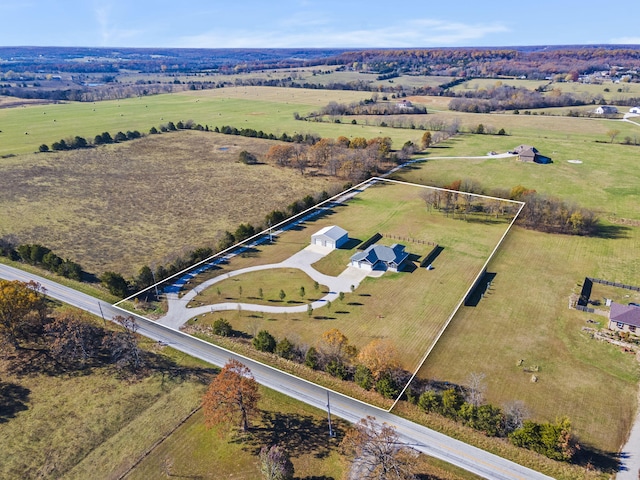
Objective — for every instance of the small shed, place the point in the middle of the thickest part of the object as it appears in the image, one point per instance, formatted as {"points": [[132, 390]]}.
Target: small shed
{"points": [[635, 110], [330, 237]]}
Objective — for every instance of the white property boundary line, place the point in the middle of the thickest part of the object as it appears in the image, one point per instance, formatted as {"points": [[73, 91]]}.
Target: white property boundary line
{"points": [[301, 217], [246, 242], [473, 284], [232, 354]]}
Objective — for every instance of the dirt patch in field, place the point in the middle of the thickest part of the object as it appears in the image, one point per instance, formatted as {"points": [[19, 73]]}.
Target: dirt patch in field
{"points": [[12, 102]]}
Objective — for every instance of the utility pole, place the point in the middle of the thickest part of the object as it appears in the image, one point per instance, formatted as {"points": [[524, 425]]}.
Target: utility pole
{"points": [[155, 284], [104, 319], [331, 432]]}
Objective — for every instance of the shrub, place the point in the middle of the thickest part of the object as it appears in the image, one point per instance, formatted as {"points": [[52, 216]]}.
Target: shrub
{"points": [[222, 327], [264, 342], [387, 387], [311, 358], [284, 349], [363, 377], [247, 158], [337, 369]]}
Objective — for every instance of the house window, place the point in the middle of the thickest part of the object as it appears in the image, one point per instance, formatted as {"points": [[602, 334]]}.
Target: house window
{"points": [[632, 328], [620, 325]]}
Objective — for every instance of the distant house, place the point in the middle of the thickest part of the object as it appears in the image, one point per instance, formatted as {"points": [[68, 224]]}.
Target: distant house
{"points": [[330, 237], [404, 104], [527, 153], [380, 257], [635, 110], [624, 318], [605, 110]]}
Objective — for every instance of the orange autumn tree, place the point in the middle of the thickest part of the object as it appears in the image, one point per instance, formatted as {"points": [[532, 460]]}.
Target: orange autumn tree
{"points": [[23, 311], [231, 397], [335, 345], [379, 356]]}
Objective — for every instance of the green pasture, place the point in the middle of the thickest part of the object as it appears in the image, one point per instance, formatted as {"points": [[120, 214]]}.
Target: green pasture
{"points": [[617, 91], [476, 84], [76, 425], [269, 109], [194, 451], [525, 316], [422, 299], [607, 181]]}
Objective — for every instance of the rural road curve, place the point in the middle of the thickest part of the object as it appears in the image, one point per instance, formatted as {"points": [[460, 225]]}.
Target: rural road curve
{"points": [[421, 438]]}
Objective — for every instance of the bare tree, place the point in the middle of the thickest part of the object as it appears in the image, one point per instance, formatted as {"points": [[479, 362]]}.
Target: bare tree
{"points": [[515, 413], [476, 387], [275, 464], [612, 134], [376, 452]]}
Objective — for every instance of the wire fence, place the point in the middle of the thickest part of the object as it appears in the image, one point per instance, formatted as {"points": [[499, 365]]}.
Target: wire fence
{"points": [[409, 239]]}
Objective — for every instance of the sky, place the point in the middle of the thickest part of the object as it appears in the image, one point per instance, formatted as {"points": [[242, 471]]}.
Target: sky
{"points": [[316, 23]]}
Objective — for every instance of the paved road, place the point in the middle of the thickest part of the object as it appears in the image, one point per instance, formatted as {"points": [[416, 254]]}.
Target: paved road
{"points": [[630, 453], [421, 438]]}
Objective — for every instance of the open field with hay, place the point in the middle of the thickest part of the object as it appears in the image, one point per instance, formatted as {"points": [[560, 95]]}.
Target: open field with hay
{"points": [[269, 109], [119, 207]]}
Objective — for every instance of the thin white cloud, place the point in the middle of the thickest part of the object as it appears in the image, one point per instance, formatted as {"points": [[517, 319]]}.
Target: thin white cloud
{"points": [[102, 17], [626, 40], [410, 33], [110, 34]]}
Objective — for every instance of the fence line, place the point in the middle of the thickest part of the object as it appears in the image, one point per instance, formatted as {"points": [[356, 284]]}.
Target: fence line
{"points": [[614, 284], [409, 239]]}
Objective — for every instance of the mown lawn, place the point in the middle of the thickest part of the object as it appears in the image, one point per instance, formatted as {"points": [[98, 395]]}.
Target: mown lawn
{"points": [[263, 288], [407, 307]]}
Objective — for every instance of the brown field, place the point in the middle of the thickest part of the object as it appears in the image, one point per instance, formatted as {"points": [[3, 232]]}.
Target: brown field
{"points": [[119, 207]]}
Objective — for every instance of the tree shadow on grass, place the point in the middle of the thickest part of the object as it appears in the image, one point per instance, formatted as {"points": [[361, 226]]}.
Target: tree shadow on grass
{"points": [[297, 434], [13, 399], [608, 462], [611, 231]]}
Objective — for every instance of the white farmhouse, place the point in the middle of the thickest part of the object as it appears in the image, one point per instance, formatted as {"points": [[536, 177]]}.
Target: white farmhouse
{"points": [[605, 110]]}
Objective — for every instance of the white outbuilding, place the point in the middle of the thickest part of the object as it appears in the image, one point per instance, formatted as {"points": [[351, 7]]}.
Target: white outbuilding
{"points": [[635, 110], [330, 237]]}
